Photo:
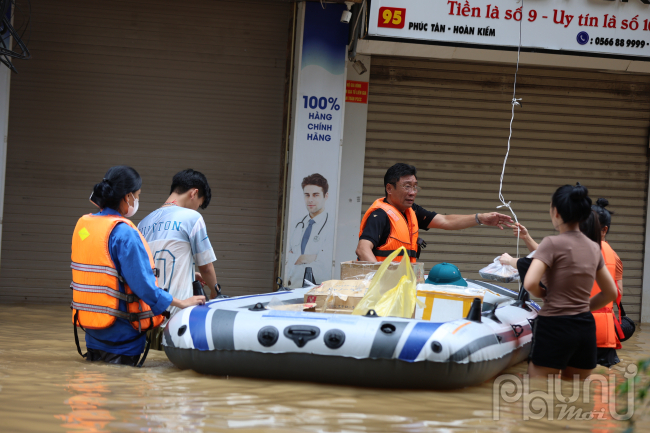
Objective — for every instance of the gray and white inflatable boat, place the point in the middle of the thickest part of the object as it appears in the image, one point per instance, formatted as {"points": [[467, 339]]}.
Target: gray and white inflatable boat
{"points": [[241, 337]]}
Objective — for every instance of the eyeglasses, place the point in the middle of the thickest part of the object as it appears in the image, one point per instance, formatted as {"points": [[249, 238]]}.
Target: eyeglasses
{"points": [[409, 188]]}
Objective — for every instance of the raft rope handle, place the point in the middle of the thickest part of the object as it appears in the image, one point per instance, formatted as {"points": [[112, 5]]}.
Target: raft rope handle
{"points": [[515, 101]]}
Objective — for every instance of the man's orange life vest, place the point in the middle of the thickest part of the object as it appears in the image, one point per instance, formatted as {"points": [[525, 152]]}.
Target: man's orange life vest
{"points": [[403, 232], [96, 283], [606, 329]]}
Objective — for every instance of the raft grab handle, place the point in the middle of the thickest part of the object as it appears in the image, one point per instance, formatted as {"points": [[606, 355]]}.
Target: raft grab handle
{"points": [[301, 334]]}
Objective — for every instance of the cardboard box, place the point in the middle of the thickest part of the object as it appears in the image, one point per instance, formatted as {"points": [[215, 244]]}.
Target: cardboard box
{"points": [[335, 311], [337, 294], [291, 307], [445, 303], [355, 270]]}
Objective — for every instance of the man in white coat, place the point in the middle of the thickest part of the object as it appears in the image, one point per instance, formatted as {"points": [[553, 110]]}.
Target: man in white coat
{"points": [[310, 235]]}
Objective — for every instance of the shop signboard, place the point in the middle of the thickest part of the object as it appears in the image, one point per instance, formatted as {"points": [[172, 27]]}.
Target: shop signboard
{"points": [[316, 145], [608, 28]]}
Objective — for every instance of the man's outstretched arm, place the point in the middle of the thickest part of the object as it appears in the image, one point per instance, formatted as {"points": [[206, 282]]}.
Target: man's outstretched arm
{"points": [[459, 222]]}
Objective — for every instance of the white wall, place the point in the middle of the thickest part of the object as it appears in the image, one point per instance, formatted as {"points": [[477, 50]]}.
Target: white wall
{"points": [[5, 79], [351, 181]]}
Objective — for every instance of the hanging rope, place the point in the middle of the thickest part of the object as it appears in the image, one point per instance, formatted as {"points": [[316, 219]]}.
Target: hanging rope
{"points": [[514, 102]]}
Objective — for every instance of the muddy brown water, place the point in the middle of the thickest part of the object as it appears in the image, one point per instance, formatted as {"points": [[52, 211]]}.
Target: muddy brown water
{"points": [[45, 386]]}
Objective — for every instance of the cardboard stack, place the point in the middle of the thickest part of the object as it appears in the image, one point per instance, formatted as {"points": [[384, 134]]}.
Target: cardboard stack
{"points": [[337, 296]]}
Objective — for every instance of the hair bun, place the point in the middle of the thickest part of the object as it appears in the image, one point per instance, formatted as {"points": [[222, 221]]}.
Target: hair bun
{"points": [[103, 193], [602, 202], [579, 192]]}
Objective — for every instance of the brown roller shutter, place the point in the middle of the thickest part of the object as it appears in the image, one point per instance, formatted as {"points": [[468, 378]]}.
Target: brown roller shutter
{"points": [[161, 86], [450, 119]]}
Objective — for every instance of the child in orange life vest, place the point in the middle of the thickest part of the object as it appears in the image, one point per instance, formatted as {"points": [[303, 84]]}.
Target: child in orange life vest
{"points": [[564, 335], [605, 318], [605, 219], [115, 297]]}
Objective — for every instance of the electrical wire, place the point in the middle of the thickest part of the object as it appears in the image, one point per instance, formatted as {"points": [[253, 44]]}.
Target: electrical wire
{"points": [[363, 6], [352, 45], [514, 102], [6, 52]]}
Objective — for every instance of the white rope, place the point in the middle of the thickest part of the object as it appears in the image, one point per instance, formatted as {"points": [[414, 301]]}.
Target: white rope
{"points": [[515, 102]]}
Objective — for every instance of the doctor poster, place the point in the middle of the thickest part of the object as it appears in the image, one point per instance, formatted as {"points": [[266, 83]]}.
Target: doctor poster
{"points": [[317, 136]]}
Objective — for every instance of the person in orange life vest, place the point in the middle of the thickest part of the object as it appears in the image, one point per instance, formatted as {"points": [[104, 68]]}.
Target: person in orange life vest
{"points": [[115, 296], [606, 321], [606, 332], [564, 333], [605, 218], [394, 220]]}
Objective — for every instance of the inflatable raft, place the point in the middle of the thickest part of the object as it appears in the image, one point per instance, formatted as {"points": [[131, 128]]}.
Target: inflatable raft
{"points": [[241, 337]]}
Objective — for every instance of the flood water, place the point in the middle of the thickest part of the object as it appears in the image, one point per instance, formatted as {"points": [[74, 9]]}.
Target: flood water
{"points": [[45, 386]]}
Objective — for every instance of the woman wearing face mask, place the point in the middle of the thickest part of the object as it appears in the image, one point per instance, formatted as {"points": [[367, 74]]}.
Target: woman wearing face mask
{"points": [[115, 294], [564, 336]]}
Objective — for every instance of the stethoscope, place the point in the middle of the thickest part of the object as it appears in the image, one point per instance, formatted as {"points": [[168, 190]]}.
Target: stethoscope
{"points": [[302, 222]]}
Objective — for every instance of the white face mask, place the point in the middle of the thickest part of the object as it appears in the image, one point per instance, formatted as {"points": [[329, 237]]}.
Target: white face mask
{"points": [[133, 209]]}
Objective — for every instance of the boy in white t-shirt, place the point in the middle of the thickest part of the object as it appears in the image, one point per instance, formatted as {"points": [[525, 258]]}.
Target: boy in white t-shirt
{"points": [[178, 238]]}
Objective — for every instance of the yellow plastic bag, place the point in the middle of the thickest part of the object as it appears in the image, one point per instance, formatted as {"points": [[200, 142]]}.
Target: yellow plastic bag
{"points": [[392, 291]]}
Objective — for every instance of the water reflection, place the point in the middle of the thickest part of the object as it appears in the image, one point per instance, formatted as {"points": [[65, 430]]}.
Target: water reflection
{"points": [[46, 386], [87, 399]]}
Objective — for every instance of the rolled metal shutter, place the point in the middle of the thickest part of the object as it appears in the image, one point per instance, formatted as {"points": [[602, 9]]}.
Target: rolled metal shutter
{"points": [[451, 120], [160, 86]]}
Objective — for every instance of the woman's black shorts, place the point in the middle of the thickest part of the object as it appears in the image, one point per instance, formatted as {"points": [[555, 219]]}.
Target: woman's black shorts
{"points": [[561, 341]]}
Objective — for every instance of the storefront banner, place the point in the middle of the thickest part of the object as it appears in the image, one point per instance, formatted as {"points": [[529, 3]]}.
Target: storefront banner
{"points": [[598, 27], [316, 137]]}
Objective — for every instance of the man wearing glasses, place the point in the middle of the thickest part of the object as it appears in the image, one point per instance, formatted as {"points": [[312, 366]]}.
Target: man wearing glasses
{"points": [[394, 221]]}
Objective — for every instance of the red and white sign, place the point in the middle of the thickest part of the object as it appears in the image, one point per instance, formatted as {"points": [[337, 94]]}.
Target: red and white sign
{"points": [[356, 91], [393, 18], [597, 27]]}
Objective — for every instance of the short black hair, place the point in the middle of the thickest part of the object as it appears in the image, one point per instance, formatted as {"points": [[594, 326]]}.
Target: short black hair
{"points": [[396, 172], [186, 180], [118, 182], [572, 203], [317, 180]]}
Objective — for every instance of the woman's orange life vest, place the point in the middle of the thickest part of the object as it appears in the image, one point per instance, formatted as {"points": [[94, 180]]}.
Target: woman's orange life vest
{"points": [[96, 283], [403, 232], [606, 329]]}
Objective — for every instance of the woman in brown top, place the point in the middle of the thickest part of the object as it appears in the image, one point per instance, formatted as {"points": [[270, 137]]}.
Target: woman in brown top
{"points": [[564, 336]]}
